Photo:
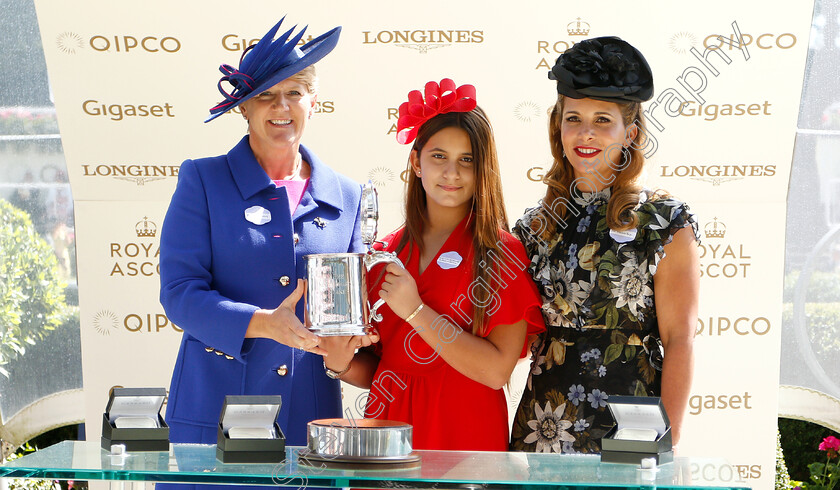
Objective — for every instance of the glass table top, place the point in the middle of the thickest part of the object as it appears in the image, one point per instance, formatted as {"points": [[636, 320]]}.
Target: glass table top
{"points": [[197, 463]]}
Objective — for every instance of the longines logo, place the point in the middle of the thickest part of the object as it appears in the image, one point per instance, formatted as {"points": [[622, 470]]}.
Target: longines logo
{"points": [[762, 41], [722, 259], [69, 42], [682, 42], [381, 176], [235, 42], [728, 326], [321, 107], [527, 111], [118, 112], [137, 259], [423, 40], [717, 174], [106, 322], [576, 29], [139, 174]]}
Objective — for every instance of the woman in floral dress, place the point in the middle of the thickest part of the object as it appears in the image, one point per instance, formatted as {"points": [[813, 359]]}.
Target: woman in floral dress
{"points": [[617, 266]]}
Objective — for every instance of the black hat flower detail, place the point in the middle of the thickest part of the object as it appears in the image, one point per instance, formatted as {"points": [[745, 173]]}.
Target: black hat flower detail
{"points": [[603, 68]]}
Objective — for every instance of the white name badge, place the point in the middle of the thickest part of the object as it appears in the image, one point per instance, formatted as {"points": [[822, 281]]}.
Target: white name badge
{"points": [[449, 260], [623, 236], [258, 215]]}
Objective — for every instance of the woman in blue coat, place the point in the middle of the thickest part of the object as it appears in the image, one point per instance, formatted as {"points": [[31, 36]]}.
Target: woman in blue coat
{"points": [[232, 245]]}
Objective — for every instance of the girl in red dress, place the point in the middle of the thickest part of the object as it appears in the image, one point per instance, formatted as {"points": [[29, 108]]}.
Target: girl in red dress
{"points": [[457, 317]]}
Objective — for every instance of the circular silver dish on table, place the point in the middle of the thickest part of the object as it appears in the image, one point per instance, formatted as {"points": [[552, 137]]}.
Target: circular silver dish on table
{"points": [[360, 441]]}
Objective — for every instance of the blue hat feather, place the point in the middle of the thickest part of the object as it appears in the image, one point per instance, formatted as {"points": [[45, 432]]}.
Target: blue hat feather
{"points": [[269, 62]]}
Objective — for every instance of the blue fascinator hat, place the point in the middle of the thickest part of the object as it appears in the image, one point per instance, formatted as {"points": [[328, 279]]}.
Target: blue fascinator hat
{"points": [[268, 63]]}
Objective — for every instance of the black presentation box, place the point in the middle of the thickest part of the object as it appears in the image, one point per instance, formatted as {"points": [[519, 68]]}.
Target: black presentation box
{"points": [[248, 430], [132, 418], [636, 417]]}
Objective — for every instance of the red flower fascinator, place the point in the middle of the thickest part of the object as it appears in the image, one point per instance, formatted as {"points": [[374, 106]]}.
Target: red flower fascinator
{"points": [[437, 99]]}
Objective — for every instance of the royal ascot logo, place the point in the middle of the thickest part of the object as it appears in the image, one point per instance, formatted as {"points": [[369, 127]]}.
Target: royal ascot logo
{"points": [[423, 40], [145, 228], [715, 229], [69, 42], [381, 176], [720, 259], [578, 28], [237, 43], [136, 259], [527, 111], [682, 42], [137, 173], [717, 174], [550, 50], [766, 40], [104, 322]]}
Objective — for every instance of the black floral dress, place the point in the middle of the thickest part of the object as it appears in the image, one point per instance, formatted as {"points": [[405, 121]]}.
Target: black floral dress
{"points": [[602, 336]]}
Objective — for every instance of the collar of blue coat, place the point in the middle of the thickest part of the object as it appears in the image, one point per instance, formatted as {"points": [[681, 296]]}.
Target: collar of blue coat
{"points": [[324, 186]]}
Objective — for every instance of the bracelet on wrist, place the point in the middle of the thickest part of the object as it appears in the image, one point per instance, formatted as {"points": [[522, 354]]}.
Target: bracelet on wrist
{"points": [[335, 374], [414, 313]]}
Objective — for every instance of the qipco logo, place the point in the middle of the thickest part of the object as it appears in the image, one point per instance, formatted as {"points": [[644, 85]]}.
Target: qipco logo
{"points": [[761, 41], [134, 44]]}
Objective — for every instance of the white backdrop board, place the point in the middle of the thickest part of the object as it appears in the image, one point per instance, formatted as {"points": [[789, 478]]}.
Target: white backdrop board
{"points": [[133, 83]]}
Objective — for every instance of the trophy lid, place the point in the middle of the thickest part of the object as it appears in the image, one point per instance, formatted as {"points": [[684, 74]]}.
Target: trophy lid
{"points": [[369, 214]]}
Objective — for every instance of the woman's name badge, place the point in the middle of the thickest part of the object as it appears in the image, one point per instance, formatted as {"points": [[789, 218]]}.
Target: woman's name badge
{"points": [[258, 215], [449, 260], [623, 236]]}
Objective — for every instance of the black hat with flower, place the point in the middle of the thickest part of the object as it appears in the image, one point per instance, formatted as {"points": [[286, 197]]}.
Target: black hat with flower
{"points": [[603, 68]]}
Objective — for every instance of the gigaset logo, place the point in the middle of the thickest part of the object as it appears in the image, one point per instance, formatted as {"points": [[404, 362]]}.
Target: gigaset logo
{"points": [[761, 41], [235, 42], [698, 403], [128, 44], [423, 40], [118, 112]]}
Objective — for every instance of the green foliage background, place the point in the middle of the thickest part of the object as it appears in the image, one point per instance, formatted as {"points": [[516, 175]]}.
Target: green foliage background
{"points": [[32, 302]]}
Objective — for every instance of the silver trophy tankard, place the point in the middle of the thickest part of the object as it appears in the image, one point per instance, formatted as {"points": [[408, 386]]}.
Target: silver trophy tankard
{"points": [[336, 293]]}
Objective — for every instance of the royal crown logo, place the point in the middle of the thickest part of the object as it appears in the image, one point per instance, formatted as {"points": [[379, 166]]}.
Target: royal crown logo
{"points": [[578, 28], [145, 228], [715, 229]]}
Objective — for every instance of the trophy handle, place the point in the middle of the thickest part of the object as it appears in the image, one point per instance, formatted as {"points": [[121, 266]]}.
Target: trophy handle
{"points": [[379, 257], [375, 315]]}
